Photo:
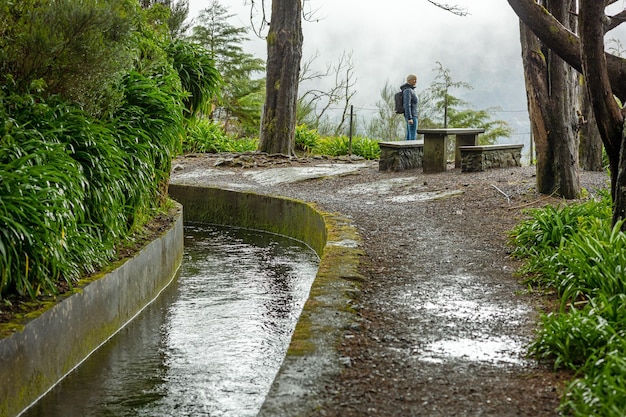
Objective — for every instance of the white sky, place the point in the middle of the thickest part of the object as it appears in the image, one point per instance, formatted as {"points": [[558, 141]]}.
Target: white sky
{"points": [[389, 39]]}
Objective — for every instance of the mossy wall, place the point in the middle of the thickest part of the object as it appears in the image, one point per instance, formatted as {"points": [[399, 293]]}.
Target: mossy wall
{"points": [[54, 343], [279, 215]]}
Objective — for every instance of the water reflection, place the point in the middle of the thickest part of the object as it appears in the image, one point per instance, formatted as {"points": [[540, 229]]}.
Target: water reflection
{"points": [[210, 345], [466, 321]]}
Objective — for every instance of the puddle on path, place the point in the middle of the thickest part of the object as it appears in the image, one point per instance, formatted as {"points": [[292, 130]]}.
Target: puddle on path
{"points": [[426, 196], [404, 190], [495, 350], [385, 186], [462, 318], [276, 176]]}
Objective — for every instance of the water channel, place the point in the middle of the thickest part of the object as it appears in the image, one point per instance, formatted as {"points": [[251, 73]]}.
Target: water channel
{"points": [[210, 345]]}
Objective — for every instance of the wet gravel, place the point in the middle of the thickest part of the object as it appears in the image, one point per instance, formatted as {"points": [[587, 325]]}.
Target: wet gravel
{"points": [[443, 322]]}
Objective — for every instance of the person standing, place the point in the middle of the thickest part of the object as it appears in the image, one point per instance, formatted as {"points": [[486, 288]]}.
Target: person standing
{"points": [[409, 101]]}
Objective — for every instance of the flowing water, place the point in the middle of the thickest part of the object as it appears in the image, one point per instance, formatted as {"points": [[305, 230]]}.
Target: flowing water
{"points": [[210, 345]]}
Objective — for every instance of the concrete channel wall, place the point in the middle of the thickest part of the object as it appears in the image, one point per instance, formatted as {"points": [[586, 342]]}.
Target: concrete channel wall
{"points": [[47, 348], [312, 358]]}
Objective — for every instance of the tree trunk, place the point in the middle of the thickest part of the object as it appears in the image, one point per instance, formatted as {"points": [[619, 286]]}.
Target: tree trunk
{"points": [[565, 43], [605, 78], [551, 92], [610, 118], [590, 150], [284, 53]]}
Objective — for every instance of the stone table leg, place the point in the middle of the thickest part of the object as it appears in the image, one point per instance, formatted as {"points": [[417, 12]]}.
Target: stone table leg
{"points": [[435, 149], [463, 140]]}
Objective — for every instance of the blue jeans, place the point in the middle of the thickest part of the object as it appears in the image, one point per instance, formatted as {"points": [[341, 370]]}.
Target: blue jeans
{"points": [[411, 129]]}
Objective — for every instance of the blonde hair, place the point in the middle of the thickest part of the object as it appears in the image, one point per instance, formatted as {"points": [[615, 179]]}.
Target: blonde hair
{"points": [[411, 77]]}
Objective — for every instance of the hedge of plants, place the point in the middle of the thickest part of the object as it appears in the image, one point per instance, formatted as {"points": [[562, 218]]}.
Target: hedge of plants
{"points": [[72, 186], [575, 252]]}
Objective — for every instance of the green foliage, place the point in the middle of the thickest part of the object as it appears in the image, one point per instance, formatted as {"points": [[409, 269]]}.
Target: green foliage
{"points": [[170, 13], [340, 146], [92, 110], [603, 393], [76, 48], [204, 136], [541, 238], [242, 95], [41, 209], [334, 145], [307, 140], [149, 125], [572, 338], [54, 224], [575, 251], [197, 74], [365, 147], [440, 108], [73, 187]]}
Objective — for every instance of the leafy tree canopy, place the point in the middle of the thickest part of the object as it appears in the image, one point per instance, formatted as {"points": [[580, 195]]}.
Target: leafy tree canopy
{"points": [[241, 95], [442, 109]]}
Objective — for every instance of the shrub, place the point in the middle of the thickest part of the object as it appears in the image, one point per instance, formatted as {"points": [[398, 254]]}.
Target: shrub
{"points": [[72, 187], [203, 136], [340, 145], [307, 140], [575, 251]]}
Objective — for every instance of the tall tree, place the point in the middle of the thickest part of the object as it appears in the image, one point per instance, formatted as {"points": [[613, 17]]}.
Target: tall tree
{"points": [[551, 89], [239, 106], [284, 52], [590, 147], [441, 108], [604, 75], [178, 11]]}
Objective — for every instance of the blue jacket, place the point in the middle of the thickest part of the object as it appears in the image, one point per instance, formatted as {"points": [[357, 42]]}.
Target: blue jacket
{"points": [[409, 100]]}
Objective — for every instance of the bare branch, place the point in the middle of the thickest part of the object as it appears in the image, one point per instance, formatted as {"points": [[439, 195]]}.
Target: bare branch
{"points": [[308, 13], [264, 23], [452, 8]]}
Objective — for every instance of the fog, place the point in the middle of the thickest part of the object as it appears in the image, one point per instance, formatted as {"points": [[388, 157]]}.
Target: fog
{"points": [[390, 39]]}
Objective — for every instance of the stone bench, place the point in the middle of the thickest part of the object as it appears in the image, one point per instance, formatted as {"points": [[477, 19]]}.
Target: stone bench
{"points": [[400, 155], [481, 158], [436, 146]]}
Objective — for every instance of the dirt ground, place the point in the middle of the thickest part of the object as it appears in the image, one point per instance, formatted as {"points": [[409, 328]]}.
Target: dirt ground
{"points": [[443, 321]]}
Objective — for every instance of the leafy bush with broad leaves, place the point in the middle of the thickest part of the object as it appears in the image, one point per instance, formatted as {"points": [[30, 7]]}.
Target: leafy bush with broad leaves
{"points": [[46, 197], [196, 69], [148, 128], [92, 111], [77, 48]]}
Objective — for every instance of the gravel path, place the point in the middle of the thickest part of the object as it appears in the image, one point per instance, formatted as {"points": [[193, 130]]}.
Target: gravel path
{"points": [[443, 321]]}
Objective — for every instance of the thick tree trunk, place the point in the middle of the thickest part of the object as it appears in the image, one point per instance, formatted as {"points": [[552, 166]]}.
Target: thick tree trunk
{"points": [[605, 78], [284, 53], [551, 92], [610, 118], [590, 150], [565, 43]]}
